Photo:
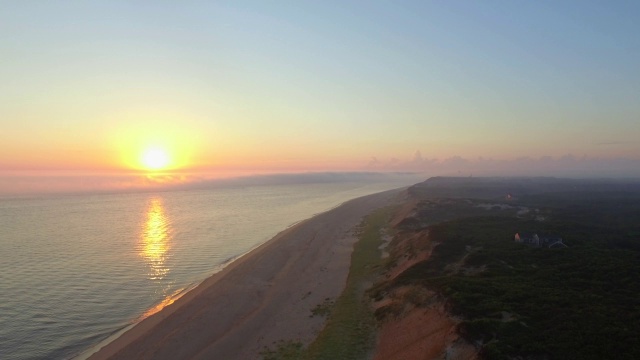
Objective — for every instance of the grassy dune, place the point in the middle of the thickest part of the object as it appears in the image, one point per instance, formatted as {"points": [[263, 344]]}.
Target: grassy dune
{"points": [[350, 329]]}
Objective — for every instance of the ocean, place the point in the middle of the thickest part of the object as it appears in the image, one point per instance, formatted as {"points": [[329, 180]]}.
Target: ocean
{"points": [[77, 269]]}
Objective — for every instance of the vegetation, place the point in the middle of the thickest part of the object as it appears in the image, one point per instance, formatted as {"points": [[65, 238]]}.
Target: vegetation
{"points": [[575, 303], [350, 329], [284, 350], [323, 309]]}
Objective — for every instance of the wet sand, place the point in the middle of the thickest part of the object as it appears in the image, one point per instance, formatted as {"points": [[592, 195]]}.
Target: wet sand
{"points": [[265, 296]]}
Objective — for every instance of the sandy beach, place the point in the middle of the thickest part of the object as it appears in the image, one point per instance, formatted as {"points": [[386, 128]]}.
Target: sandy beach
{"points": [[265, 296]]}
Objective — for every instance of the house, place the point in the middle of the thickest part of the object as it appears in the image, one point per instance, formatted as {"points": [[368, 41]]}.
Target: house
{"points": [[533, 240], [527, 238]]}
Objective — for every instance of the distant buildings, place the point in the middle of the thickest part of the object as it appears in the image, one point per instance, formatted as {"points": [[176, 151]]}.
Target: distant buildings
{"points": [[534, 240]]}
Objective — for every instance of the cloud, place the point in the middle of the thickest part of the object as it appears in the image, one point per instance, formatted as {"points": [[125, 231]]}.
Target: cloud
{"points": [[567, 165], [373, 162]]}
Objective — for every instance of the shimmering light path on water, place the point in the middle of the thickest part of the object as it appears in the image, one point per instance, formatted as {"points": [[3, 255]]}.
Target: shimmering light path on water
{"points": [[155, 238]]}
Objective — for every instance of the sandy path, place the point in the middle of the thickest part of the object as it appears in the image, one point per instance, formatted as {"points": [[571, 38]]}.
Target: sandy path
{"points": [[263, 297]]}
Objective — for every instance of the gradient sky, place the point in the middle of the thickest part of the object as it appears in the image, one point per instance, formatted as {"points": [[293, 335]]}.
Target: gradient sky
{"points": [[312, 86]]}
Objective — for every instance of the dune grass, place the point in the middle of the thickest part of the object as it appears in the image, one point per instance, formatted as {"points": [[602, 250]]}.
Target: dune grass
{"points": [[350, 329]]}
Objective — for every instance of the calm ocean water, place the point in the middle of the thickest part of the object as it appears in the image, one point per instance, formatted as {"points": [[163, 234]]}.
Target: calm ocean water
{"points": [[76, 269]]}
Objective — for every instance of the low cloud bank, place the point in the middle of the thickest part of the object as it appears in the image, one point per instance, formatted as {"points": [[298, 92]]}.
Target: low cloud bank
{"points": [[564, 166], [409, 171]]}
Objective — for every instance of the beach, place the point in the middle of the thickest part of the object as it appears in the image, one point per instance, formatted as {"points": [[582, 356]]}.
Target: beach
{"points": [[263, 297]]}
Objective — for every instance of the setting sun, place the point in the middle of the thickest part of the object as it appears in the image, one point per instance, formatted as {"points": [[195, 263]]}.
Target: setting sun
{"points": [[151, 140], [155, 159]]}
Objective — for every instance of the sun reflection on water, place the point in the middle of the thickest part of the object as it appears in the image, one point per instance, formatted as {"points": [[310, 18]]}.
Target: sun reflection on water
{"points": [[155, 239]]}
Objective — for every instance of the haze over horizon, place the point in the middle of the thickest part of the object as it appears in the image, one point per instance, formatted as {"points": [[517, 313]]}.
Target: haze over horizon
{"points": [[198, 90]]}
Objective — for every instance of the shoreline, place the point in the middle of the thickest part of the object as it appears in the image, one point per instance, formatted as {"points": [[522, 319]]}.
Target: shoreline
{"points": [[192, 289], [257, 298], [95, 348]]}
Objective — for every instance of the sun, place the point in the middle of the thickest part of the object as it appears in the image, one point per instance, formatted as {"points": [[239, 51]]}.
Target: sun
{"points": [[155, 159]]}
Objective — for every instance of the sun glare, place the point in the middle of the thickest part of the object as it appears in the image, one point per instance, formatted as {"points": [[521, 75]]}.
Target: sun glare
{"points": [[156, 140], [155, 159]]}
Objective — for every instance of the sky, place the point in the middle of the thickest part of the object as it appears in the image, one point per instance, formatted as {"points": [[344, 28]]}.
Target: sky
{"points": [[239, 87]]}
